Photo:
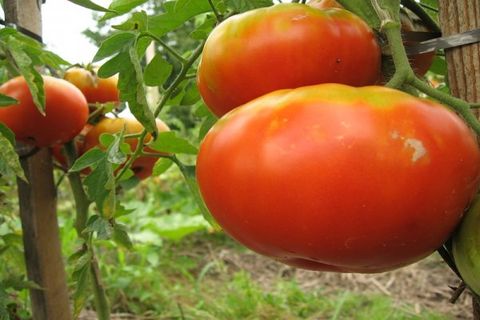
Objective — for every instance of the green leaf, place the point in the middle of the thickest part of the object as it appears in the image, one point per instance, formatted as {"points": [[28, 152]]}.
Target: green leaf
{"points": [[176, 226], [29, 72], [80, 295], [115, 65], [169, 142], [114, 154], [137, 22], [157, 71], [114, 44], [9, 161], [176, 14], [205, 28], [207, 123], [363, 9], [7, 133], [7, 101], [439, 66], [162, 165], [102, 227], [245, 5], [121, 7], [121, 237], [88, 159], [99, 183], [132, 90], [91, 5]]}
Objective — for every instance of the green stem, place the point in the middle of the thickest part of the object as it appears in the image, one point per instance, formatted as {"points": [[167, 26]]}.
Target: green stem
{"points": [[168, 92], [425, 17], [217, 14], [403, 71], [165, 46], [459, 105], [82, 203]]}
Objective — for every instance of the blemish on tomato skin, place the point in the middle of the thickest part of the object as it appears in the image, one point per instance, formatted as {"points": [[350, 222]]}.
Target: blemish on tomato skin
{"points": [[419, 150]]}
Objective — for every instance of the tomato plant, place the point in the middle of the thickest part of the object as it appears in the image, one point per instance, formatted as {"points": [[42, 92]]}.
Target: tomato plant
{"points": [[143, 165], [331, 177], [284, 46], [94, 88], [57, 151], [66, 112]]}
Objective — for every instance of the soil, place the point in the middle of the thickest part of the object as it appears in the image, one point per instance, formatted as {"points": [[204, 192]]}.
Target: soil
{"points": [[426, 285]]}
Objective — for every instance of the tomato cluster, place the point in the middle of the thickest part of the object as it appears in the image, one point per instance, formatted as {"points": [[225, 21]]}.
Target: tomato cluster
{"points": [[312, 171]]}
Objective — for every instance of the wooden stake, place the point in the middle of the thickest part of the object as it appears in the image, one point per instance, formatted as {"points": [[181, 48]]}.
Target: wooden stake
{"points": [[463, 62], [38, 205]]}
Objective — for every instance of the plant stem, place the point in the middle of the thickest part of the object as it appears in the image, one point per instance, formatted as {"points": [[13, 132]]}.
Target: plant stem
{"points": [[165, 46], [82, 203], [459, 105], [403, 71], [168, 92], [217, 14], [425, 17]]}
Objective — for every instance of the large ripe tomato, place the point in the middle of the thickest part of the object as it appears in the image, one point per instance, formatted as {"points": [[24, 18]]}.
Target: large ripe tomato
{"points": [[66, 112], [420, 62], [284, 46], [332, 177], [94, 88], [142, 166]]}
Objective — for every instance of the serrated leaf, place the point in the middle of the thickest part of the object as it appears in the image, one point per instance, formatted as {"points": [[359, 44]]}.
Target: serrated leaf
{"points": [[80, 295], [114, 44], [88, 159], [169, 142], [99, 181], [114, 65], [84, 260], [132, 90], [121, 7], [91, 5], [27, 69], [9, 161], [137, 22], [176, 14], [121, 237], [162, 165], [245, 5], [101, 227], [157, 71], [7, 101], [114, 153]]}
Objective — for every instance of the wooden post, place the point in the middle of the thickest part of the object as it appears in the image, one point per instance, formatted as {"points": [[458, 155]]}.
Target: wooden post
{"points": [[38, 205], [463, 62]]}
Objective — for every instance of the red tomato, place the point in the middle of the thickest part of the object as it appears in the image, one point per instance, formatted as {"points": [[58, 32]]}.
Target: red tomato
{"points": [[66, 112], [332, 177], [94, 88], [284, 46], [142, 166], [419, 62]]}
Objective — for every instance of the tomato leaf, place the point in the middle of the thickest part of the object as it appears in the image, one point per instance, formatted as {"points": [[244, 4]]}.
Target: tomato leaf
{"points": [[120, 7], [157, 71], [81, 276], [169, 142], [99, 183], [137, 22], [120, 236], [114, 65], [114, 44], [9, 161], [132, 90], [88, 159], [91, 5], [161, 166], [7, 101], [177, 13], [27, 69], [363, 9], [245, 5]]}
